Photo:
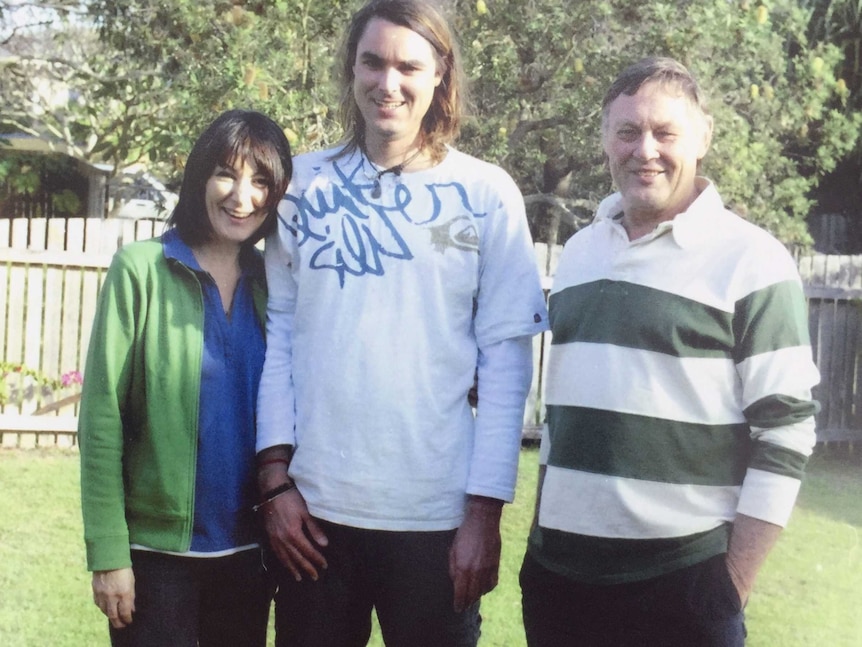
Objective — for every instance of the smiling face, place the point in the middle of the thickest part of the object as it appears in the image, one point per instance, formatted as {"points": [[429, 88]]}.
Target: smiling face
{"points": [[235, 199], [394, 79], [654, 140]]}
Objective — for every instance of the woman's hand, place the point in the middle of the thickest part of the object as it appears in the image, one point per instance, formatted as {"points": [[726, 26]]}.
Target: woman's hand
{"points": [[114, 594]]}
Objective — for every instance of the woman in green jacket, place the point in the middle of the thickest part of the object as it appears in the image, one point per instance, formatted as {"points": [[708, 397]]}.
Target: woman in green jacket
{"points": [[166, 426]]}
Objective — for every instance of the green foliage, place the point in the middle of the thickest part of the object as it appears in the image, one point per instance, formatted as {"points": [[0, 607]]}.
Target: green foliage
{"points": [[783, 77], [840, 23], [22, 172], [66, 202], [31, 174], [196, 59], [19, 174], [781, 122], [537, 98], [779, 126], [19, 382], [12, 377]]}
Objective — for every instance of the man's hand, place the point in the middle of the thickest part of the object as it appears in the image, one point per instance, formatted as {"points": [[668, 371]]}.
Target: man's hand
{"points": [[288, 523], [294, 535], [114, 594], [474, 559], [750, 542]]}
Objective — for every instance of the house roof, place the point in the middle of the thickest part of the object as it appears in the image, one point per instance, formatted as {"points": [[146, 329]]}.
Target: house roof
{"points": [[29, 143]]}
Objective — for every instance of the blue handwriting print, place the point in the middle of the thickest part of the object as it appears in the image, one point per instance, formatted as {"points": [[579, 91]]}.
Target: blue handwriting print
{"points": [[353, 235]]}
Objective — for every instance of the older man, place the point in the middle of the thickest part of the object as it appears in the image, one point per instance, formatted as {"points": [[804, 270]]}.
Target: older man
{"points": [[679, 395]]}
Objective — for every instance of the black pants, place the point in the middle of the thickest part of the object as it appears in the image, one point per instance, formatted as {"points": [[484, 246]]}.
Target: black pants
{"points": [[197, 601], [403, 575], [696, 606]]}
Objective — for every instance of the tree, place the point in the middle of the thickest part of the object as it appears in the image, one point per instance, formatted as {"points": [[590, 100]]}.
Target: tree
{"points": [[532, 97], [840, 22], [786, 108], [135, 81], [37, 62], [781, 122], [205, 57], [39, 85]]}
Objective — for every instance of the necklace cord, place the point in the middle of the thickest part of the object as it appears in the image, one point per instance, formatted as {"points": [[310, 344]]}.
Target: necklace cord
{"points": [[396, 170]]}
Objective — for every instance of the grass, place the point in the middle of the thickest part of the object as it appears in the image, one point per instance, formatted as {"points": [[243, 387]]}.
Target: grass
{"points": [[809, 592]]}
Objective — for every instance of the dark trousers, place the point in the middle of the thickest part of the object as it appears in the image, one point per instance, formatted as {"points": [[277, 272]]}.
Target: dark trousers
{"points": [[197, 601], [696, 606], [403, 575]]}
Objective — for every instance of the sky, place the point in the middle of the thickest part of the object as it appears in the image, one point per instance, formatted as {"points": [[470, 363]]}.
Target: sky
{"points": [[24, 14]]}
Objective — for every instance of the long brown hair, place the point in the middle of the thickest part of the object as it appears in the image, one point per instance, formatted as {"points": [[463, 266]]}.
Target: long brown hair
{"points": [[442, 123]]}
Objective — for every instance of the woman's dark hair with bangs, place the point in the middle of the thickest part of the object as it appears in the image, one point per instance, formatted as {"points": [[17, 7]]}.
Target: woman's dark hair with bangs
{"points": [[442, 122], [235, 134]]}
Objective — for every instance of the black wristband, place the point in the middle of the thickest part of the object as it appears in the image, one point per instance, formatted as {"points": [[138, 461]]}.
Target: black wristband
{"points": [[273, 493]]}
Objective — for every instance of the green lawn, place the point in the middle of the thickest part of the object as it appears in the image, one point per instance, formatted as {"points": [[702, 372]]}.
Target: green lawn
{"points": [[809, 594]]}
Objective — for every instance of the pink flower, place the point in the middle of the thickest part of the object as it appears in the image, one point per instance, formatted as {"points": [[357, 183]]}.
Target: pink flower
{"points": [[70, 378]]}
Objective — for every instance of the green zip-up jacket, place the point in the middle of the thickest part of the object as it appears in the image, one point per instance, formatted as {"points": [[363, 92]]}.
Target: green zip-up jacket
{"points": [[138, 423]]}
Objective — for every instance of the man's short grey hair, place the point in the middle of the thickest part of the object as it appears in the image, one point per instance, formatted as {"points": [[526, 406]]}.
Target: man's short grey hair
{"points": [[667, 71]]}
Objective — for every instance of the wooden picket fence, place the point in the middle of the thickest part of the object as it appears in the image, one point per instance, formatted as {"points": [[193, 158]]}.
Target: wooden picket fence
{"points": [[833, 287], [51, 271], [50, 274]]}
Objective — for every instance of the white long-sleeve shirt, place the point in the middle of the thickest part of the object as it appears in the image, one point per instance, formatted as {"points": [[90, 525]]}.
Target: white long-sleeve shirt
{"points": [[380, 312]]}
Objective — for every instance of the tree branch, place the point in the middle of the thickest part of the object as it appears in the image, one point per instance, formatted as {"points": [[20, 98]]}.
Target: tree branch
{"points": [[566, 207], [525, 127]]}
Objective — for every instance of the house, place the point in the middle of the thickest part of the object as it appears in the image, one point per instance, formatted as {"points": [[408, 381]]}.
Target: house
{"points": [[65, 185]]}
